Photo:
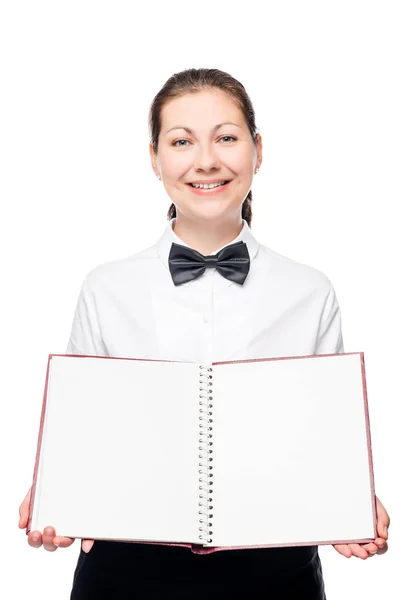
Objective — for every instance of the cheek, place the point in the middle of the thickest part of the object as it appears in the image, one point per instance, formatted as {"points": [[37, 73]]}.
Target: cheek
{"points": [[172, 165], [240, 162], [177, 170]]}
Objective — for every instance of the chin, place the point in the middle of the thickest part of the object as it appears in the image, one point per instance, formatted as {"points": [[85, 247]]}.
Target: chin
{"points": [[208, 214]]}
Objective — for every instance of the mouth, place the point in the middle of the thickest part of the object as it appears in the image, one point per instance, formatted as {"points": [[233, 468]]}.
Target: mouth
{"points": [[219, 187]]}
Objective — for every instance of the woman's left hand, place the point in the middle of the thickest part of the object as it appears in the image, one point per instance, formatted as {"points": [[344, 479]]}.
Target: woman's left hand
{"points": [[378, 546]]}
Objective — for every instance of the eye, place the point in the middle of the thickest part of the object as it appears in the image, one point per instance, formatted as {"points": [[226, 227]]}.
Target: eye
{"points": [[180, 145]]}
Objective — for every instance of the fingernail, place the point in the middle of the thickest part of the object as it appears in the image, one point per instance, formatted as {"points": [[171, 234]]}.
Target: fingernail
{"points": [[35, 538]]}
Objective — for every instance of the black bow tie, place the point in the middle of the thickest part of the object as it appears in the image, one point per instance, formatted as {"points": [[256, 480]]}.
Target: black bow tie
{"points": [[233, 262]]}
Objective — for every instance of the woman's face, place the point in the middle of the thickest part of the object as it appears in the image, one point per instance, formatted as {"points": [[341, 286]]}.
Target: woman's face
{"points": [[206, 154]]}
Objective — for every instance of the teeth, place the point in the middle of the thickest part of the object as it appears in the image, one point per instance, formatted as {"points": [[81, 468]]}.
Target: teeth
{"points": [[207, 186]]}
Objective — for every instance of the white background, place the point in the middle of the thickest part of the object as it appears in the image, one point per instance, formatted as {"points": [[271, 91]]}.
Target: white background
{"points": [[77, 190]]}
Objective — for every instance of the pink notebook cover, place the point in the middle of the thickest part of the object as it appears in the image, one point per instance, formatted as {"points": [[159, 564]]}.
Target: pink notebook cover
{"points": [[198, 548]]}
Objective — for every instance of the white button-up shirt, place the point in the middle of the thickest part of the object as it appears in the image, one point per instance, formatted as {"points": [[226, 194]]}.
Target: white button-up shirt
{"points": [[131, 308]]}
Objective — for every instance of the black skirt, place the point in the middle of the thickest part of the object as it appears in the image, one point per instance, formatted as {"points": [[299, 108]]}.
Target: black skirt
{"points": [[122, 571]]}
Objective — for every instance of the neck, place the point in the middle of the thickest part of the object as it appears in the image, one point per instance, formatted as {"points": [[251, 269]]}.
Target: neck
{"points": [[208, 236]]}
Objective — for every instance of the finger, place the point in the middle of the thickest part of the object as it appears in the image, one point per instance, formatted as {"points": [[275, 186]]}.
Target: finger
{"points": [[371, 548], [35, 539], [382, 529], [47, 538], [358, 551], [383, 519], [24, 510], [343, 549], [87, 545], [23, 519], [383, 549], [63, 542], [380, 542]]}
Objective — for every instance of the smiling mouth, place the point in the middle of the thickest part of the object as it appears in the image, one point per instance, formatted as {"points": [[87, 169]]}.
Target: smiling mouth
{"points": [[214, 187]]}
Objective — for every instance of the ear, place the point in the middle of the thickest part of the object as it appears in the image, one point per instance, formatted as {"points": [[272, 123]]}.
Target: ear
{"points": [[153, 158], [259, 150]]}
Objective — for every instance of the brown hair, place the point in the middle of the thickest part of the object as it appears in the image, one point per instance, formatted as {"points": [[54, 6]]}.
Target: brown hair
{"points": [[194, 80]]}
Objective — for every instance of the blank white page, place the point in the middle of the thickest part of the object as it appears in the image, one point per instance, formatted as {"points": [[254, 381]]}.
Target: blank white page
{"points": [[119, 455], [290, 452]]}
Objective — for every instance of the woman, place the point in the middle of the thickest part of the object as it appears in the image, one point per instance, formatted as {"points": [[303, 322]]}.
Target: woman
{"points": [[205, 149]]}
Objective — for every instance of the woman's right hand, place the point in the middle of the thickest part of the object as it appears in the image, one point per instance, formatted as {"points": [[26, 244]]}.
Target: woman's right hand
{"points": [[49, 539]]}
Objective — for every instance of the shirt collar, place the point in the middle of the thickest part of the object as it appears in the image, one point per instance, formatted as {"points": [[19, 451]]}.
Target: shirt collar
{"points": [[163, 246]]}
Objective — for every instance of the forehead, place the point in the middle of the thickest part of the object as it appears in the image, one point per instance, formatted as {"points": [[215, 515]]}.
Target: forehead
{"points": [[201, 109]]}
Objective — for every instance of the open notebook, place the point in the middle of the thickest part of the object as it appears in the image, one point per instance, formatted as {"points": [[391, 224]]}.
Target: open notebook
{"points": [[253, 453]]}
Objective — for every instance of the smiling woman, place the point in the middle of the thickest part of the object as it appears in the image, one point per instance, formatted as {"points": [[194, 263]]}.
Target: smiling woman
{"points": [[203, 132], [207, 291]]}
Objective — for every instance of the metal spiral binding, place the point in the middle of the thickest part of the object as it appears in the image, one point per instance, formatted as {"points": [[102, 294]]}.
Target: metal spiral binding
{"points": [[205, 452]]}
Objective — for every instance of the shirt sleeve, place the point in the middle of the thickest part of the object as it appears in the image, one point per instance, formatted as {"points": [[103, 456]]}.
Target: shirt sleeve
{"points": [[330, 338], [85, 337]]}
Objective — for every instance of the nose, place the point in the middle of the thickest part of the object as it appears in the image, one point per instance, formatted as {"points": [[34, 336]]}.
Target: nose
{"points": [[206, 157]]}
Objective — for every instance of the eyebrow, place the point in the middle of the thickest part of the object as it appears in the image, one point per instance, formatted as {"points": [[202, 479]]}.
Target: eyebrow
{"points": [[213, 129]]}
